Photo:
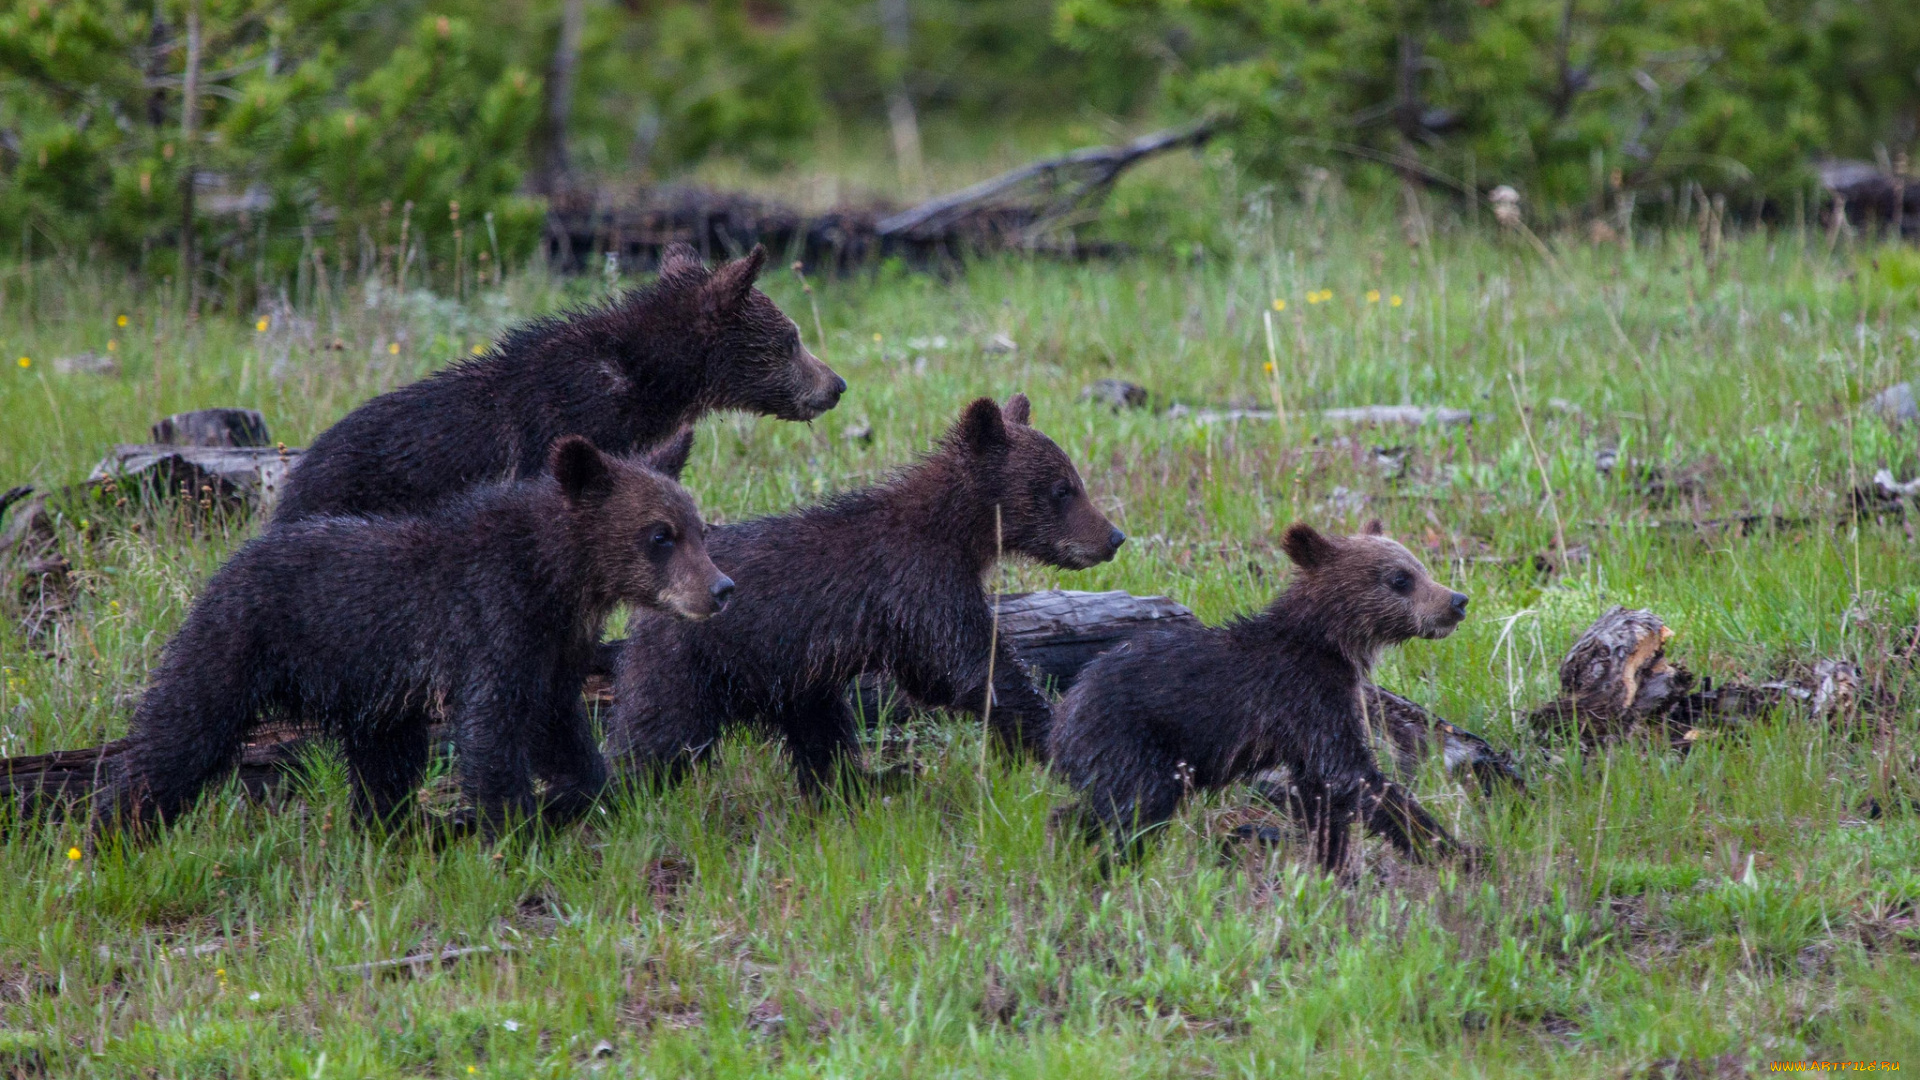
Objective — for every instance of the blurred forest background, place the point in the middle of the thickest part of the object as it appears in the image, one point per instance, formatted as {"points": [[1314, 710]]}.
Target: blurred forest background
{"points": [[378, 130]]}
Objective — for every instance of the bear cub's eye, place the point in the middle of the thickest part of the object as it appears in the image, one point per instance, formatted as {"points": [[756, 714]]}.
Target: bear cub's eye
{"points": [[1062, 490], [661, 538], [1400, 582]]}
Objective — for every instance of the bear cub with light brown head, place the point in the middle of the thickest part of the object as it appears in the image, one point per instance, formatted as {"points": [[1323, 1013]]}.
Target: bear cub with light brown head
{"points": [[1198, 707]]}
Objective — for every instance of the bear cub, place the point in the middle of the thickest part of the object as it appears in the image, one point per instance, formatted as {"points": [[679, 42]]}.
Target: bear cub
{"points": [[1192, 707], [626, 376], [482, 613], [887, 579]]}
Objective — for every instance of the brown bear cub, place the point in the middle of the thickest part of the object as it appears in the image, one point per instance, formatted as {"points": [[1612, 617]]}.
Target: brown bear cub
{"points": [[1201, 707], [885, 579], [482, 613], [626, 376]]}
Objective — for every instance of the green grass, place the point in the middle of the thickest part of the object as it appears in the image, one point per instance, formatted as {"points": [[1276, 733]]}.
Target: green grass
{"points": [[1636, 907]]}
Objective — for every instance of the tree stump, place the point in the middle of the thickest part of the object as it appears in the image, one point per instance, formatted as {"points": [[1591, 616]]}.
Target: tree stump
{"points": [[213, 427], [227, 475], [1615, 680]]}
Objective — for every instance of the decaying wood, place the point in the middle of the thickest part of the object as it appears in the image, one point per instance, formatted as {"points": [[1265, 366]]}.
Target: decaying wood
{"points": [[1060, 631], [1042, 192], [67, 777], [1376, 415], [1871, 192], [420, 963], [213, 427], [1057, 632], [1414, 734], [1616, 681], [1025, 208], [251, 475], [34, 583], [198, 458]]}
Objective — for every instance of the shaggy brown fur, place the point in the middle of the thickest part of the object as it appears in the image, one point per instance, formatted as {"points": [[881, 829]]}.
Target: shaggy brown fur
{"points": [[482, 613], [1201, 707], [887, 579], [626, 376]]}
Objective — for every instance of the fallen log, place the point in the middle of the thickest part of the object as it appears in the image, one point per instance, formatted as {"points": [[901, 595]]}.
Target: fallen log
{"points": [[1026, 209], [213, 427], [1057, 632], [228, 475], [68, 777], [1617, 682], [1867, 191], [1043, 192], [1413, 733], [1364, 415]]}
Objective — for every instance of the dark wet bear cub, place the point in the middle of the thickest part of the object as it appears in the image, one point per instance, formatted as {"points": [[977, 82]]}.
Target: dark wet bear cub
{"points": [[626, 376], [1202, 707], [482, 613], [886, 579]]}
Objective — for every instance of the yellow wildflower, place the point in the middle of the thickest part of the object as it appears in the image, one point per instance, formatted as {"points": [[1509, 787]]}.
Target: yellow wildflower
{"points": [[1269, 367], [1373, 296], [121, 321], [112, 345], [261, 326], [479, 350], [876, 339], [1395, 301], [25, 363], [1279, 304], [73, 854], [393, 348]]}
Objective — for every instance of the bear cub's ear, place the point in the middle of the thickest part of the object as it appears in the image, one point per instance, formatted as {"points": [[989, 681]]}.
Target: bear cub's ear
{"points": [[670, 458], [729, 285], [982, 428], [1373, 528], [1019, 410], [580, 468], [1307, 548]]}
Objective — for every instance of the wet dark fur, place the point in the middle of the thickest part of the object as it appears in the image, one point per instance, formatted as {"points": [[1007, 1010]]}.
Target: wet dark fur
{"points": [[1201, 707], [482, 613], [626, 376], [886, 579]]}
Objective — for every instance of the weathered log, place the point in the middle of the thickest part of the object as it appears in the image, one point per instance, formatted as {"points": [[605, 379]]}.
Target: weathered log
{"points": [[1871, 192], [1377, 415], [65, 778], [213, 427], [1015, 209], [1045, 191], [1414, 733], [34, 585], [252, 475], [1615, 680], [1057, 632], [1060, 631]]}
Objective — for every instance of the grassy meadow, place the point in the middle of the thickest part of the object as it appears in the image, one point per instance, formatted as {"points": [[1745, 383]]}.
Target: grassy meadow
{"points": [[1638, 913]]}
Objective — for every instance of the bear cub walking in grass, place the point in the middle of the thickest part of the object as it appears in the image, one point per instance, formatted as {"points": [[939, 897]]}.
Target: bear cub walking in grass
{"points": [[1195, 707], [886, 579], [626, 376], [483, 613]]}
